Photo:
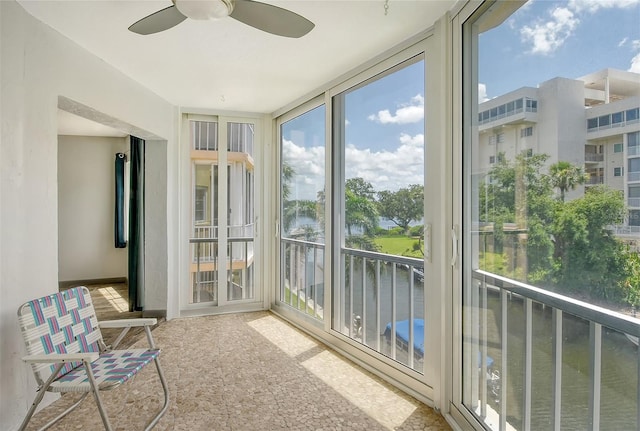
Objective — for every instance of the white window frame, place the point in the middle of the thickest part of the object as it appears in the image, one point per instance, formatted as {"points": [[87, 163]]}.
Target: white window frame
{"points": [[186, 308]]}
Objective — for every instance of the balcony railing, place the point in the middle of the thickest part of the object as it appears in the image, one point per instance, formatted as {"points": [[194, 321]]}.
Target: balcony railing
{"points": [[633, 176], [595, 180], [302, 284], [206, 249], [536, 338], [593, 157], [382, 305], [625, 230], [204, 273]]}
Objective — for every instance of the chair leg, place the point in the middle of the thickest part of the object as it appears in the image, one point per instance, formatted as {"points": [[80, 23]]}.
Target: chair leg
{"points": [[64, 413], [41, 391], [165, 388], [96, 395]]}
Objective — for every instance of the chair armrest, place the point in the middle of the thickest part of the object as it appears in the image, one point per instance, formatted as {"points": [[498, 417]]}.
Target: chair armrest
{"points": [[61, 357], [128, 323]]}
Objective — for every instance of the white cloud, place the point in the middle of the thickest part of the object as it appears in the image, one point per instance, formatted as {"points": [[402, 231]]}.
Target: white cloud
{"points": [[388, 169], [308, 167], [546, 37], [482, 93], [592, 6], [635, 61], [635, 64], [411, 112], [623, 42], [346, 122]]}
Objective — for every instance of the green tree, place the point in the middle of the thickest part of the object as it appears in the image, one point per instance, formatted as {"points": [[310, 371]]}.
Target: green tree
{"points": [[360, 188], [588, 257], [519, 193], [292, 210], [403, 206], [360, 208], [630, 285], [566, 176], [360, 212]]}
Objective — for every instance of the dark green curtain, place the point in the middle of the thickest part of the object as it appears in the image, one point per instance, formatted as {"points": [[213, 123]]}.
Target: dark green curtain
{"points": [[119, 234], [136, 226]]}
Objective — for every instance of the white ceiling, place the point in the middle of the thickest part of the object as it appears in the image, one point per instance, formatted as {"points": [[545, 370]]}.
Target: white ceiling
{"points": [[227, 65]]}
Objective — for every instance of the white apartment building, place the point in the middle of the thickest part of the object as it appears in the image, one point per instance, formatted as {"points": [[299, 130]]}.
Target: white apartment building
{"points": [[592, 121]]}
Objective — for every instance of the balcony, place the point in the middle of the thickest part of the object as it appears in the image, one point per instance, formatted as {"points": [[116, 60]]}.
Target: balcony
{"points": [[204, 264], [562, 363], [252, 371], [526, 340], [595, 180], [593, 157]]}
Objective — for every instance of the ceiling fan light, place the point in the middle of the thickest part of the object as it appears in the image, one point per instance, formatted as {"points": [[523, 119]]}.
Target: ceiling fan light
{"points": [[204, 9]]}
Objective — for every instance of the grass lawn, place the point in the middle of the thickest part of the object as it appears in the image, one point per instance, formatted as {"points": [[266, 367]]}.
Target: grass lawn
{"points": [[399, 245]]}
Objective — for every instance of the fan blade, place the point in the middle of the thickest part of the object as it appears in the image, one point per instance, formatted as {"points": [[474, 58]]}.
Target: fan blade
{"points": [[159, 21], [272, 19]]}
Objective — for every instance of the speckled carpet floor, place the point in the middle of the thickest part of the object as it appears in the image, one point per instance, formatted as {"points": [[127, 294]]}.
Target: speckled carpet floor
{"points": [[250, 371]]}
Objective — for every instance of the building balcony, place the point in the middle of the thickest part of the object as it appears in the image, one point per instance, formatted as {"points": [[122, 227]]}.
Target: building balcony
{"points": [[593, 158], [625, 230], [594, 181]]}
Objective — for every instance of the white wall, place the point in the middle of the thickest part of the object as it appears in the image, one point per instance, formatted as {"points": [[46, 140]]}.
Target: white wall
{"points": [[86, 189], [38, 65], [156, 251]]}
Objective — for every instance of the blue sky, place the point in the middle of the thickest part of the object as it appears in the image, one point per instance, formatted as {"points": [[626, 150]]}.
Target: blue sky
{"points": [[385, 118], [546, 39]]}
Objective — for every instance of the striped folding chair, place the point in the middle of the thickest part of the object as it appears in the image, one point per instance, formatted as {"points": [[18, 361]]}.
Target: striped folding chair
{"points": [[67, 353]]}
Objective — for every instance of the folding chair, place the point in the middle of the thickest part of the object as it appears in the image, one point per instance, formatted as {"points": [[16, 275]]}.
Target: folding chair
{"points": [[67, 353]]}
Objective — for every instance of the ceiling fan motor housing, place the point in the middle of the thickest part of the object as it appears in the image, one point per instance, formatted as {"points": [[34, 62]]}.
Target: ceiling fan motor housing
{"points": [[204, 9]]}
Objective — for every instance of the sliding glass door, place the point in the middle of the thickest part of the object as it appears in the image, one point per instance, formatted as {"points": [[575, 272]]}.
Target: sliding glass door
{"points": [[379, 152], [549, 277], [222, 259]]}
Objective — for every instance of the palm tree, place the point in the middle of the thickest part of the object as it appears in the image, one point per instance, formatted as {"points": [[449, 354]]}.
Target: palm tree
{"points": [[566, 176]]}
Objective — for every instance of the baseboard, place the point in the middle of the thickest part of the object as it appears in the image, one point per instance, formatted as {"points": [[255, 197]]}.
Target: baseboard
{"points": [[155, 313], [63, 285]]}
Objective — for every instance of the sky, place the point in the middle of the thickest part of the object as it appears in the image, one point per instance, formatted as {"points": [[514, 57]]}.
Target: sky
{"points": [[547, 39], [384, 119]]}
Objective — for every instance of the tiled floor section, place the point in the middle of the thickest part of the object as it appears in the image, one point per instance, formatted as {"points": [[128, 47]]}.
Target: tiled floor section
{"points": [[250, 371]]}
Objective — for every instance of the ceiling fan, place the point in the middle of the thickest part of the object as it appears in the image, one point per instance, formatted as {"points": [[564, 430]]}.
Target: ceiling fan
{"points": [[266, 17]]}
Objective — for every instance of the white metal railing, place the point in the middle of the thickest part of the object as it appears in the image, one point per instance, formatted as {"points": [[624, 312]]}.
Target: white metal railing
{"points": [[382, 303], [624, 230], [206, 249], [611, 125], [302, 285], [633, 202], [239, 258], [593, 157], [633, 150], [558, 309], [633, 176], [595, 180]]}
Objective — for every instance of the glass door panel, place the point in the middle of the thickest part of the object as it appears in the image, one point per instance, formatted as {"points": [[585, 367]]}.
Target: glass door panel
{"points": [[204, 212], [379, 137], [543, 240], [240, 204], [302, 227], [223, 216]]}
